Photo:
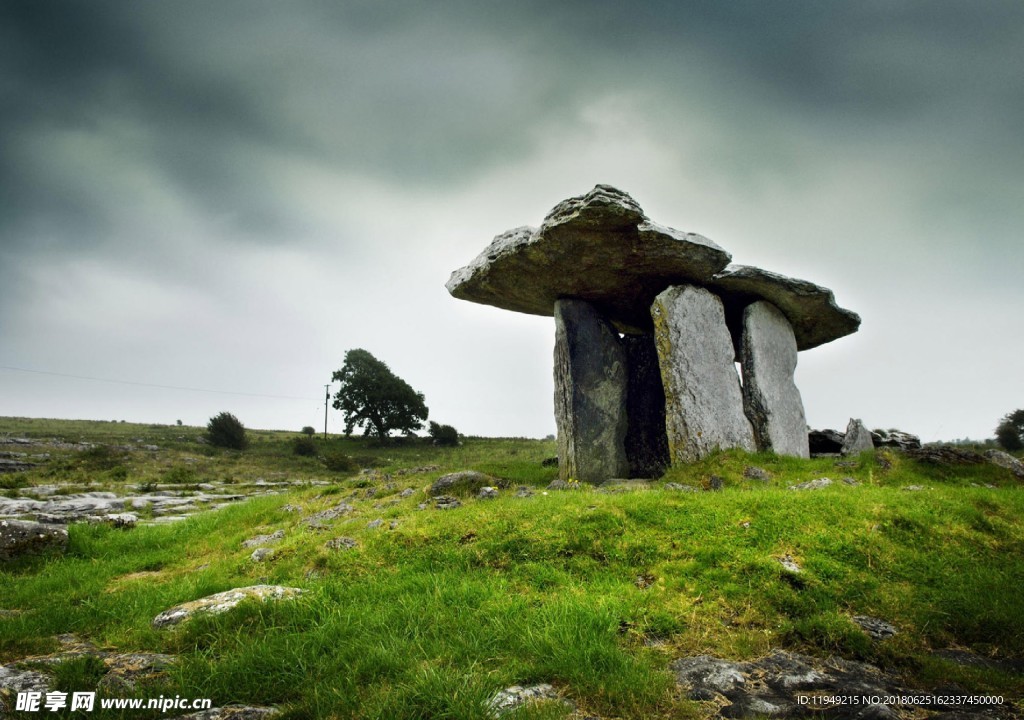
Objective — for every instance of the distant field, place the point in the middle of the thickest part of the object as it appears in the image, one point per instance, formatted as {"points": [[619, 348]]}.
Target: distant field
{"points": [[594, 590]]}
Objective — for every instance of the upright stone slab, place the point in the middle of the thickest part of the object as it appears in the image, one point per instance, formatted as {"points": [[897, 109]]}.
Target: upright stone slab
{"points": [[646, 442], [771, 399], [703, 400], [858, 438], [590, 394]]}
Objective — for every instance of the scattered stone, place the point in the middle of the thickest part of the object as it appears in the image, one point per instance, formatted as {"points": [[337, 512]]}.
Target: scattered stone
{"points": [[789, 564], [857, 439], [466, 482], [644, 581], [703, 400], [847, 464], [523, 492], [236, 712], [23, 537], [850, 481], [756, 473], [559, 484], [946, 455], [261, 554], [274, 537], [913, 488], [812, 484], [1005, 460], [422, 506], [446, 502], [716, 482], [895, 439], [393, 524], [406, 493], [13, 466], [680, 488], [222, 602], [374, 524], [339, 510], [488, 493], [516, 696], [877, 629], [124, 521], [590, 394], [771, 399], [341, 543]]}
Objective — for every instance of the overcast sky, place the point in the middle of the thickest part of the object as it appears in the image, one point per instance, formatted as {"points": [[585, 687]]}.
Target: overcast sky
{"points": [[228, 196]]}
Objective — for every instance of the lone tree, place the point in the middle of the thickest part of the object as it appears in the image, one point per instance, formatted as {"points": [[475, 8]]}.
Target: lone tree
{"points": [[1010, 432], [225, 430], [373, 397]]}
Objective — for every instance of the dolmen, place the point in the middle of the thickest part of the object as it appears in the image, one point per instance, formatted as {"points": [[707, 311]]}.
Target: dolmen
{"points": [[649, 323]]}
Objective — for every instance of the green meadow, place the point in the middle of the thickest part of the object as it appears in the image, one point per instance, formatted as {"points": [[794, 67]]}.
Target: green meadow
{"points": [[594, 590]]}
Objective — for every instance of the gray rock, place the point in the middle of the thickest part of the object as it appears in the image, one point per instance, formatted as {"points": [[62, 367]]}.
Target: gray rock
{"points": [[789, 564], [446, 502], [274, 537], [488, 493], [810, 309], [825, 442], [703, 400], [877, 629], [262, 554], [755, 473], [374, 524], [408, 492], [646, 441], [913, 488], [236, 712], [896, 439], [222, 602], [716, 482], [341, 543], [465, 482], [590, 394], [516, 696], [677, 487], [771, 399], [523, 492], [23, 537], [1005, 460], [812, 484], [857, 439], [12, 466], [125, 521], [324, 516], [559, 484], [946, 455], [598, 247]]}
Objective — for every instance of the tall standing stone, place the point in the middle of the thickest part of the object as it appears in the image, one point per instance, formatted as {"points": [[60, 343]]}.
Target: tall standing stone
{"points": [[646, 442], [770, 396], [858, 438], [703, 400], [590, 394]]}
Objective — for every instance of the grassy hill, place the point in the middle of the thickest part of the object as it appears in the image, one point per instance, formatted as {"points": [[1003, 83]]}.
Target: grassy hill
{"points": [[594, 590]]}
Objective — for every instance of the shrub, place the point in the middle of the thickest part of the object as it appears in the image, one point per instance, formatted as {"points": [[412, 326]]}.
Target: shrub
{"points": [[225, 430], [309, 430], [1010, 433], [304, 446], [443, 434], [340, 463]]}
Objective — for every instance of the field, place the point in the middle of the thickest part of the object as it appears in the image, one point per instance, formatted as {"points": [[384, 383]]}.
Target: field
{"points": [[593, 590]]}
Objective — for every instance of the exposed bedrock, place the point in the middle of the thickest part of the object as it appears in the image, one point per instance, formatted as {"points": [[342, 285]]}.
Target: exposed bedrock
{"points": [[590, 394], [703, 400], [646, 442], [770, 397]]}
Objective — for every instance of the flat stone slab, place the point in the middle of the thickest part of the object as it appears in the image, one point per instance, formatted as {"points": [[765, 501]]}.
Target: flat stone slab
{"points": [[598, 247], [810, 309], [222, 602], [22, 537]]}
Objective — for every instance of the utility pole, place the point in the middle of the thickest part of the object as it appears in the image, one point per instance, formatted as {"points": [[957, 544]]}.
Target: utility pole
{"points": [[327, 399]]}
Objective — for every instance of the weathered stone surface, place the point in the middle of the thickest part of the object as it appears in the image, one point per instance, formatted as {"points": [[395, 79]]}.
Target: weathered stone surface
{"points": [[465, 482], [946, 455], [812, 484], [876, 628], [590, 394], [516, 696], [259, 540], [8, 465], [825, 442], [857, 439], [896, 439], [597, 247], [771, 399], [810, 309], [235, 712], [703, 400], [752, 472], [22, 537], [1006, 460], [488, 493], [222, 602], [646, 441], [262, 554], [446, 502], [341, 543]]}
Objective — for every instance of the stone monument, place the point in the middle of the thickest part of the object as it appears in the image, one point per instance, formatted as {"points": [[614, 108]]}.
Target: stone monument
{"points": [[649, 322]]}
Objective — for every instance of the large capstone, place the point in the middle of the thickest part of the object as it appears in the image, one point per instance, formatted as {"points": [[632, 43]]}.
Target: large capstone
{"points": [[703, 400], [646, 442], [770, 396], [598, 247], [590, 394]]}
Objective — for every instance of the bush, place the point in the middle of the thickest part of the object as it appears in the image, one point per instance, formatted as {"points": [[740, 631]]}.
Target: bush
{"points": [[1010, 433], [225, 430], [309, 430], [304, 446], [443, 434], [340, 463]]}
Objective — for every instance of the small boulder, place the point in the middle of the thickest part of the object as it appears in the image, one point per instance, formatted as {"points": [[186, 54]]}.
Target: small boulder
{"points": [[514, 697], [679, 487], [877, 629], [23, 537], [263, 539], [466, 482], [262, 554], [446, 502], [374, 524], [755, 473], [222, 602], [895, 439], [1005, 460], [488, 493], [857, 439], [341, 543], [812, 484]]}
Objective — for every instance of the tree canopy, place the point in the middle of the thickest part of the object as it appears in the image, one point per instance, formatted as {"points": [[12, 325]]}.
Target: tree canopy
{"points": [[373, 397], [1010, 432]]}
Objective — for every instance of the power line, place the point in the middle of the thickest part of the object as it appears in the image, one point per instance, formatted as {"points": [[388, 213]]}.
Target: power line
{"points": [[153, 385]]}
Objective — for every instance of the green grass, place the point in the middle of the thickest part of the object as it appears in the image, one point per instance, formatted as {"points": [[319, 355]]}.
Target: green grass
{"points": [[430, 619]]}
